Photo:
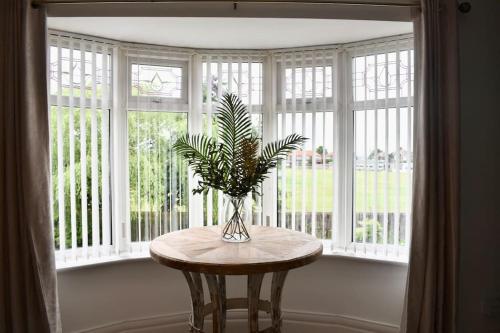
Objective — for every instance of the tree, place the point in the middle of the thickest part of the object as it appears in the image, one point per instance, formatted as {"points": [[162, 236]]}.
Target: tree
{"points": [[376, 154], [321, 150]]}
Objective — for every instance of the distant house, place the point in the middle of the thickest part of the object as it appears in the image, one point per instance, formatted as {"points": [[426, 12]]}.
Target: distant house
{"points": [[308, 155], [379, 163]]}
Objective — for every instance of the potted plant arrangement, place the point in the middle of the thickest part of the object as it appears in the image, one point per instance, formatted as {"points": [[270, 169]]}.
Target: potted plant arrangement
{"points": [[234, 163]]}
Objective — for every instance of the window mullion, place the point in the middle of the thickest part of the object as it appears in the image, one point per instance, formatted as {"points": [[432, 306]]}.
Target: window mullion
{"points": [[119, 155], [269, 129], [348, 176], [195, 127], [345, 148]]}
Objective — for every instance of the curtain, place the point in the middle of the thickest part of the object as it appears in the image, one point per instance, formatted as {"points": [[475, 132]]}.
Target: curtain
{"points": [[432, 271], [28, 294]]}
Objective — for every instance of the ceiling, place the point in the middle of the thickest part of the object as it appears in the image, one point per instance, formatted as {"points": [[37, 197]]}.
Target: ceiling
{"points": [[229, 33]]}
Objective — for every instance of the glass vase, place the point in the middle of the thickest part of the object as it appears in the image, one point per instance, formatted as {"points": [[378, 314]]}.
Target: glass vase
{"points": [[237, 215]]}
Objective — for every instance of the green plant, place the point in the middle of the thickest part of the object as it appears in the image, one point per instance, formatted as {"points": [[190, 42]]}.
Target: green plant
{"points": [[367, 230], [233, 164]]}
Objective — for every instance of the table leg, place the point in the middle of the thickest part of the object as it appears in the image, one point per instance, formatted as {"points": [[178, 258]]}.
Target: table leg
{"points": [[217, 289], [276, 291], [253, 293], [197, 301], [223, 299]]}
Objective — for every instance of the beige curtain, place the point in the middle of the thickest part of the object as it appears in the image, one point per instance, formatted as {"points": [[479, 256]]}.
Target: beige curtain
{"points": [[28, 294], [432, 273]]}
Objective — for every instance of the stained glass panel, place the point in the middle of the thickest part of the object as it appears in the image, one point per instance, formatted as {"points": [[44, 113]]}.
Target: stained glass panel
{"points": [[384, 79], [73, 58], [156, 81]]}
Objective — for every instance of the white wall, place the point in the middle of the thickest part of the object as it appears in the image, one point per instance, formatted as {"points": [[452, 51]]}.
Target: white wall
{"points": [[480, 163], [335, 290], [96, 296]]}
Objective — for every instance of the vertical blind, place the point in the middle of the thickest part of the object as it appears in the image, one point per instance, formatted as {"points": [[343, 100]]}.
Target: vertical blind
{"points": [[242, 75], [357, 116], [382, 106], [157, 114], [305, 105], [79, 88], [349, 185]]}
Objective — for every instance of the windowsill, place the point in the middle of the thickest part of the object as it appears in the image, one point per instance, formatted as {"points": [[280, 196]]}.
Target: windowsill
{"points": [[105, 260], [125, 257], [366, 258]]}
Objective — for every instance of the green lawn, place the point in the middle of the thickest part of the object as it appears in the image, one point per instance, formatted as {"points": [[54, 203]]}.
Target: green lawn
{"points": [[324, 187]]}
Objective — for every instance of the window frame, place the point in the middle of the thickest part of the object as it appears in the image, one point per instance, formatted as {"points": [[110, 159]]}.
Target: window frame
{"points": [[57, 100], [390, 252], [330, 100], [341, 103], [160, 103]]}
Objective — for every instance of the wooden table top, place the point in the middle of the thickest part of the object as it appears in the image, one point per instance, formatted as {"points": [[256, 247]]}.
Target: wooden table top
{"points": [[202, 250]]}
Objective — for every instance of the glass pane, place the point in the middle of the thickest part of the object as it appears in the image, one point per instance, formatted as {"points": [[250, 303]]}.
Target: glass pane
{"points": [[73, 58], [156, 81], [62, 208], [306, 177], [382, 174], [323, 89], [376, 76], [157, 176], [237, 81]]}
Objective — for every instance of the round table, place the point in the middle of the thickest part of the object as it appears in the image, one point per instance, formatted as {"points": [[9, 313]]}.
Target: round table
{"points": [[197, 251]]}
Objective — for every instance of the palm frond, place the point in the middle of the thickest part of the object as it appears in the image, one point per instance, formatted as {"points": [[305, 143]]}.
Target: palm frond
{"points": [[233, 165], [204, 156], [195, 146], [275, 151], [234, 124]]}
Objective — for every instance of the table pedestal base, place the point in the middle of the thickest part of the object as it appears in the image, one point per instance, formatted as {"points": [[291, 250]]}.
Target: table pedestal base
{"points": [[220, 304]]}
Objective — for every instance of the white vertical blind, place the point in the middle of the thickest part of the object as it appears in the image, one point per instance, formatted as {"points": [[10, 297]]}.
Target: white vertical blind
{"points": [[94, 158], [350, 184], [382, 114], [314, 151], [83, 150], [240, 74], [72, 185], [157, 114], [60, 153], [106, 227], [381, 117], [79, 100], [303, 155], [294, 153], [282, 134], [305, 106]]}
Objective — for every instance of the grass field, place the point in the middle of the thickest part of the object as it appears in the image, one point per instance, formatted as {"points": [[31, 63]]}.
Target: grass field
{"points": [[324, 190]]}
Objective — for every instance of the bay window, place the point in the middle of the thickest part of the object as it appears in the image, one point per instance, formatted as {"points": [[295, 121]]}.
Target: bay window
{"points": [[117, 109]]}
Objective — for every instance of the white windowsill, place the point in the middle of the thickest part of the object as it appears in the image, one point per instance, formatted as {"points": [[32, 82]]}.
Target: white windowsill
{"points": [[327, 253]]}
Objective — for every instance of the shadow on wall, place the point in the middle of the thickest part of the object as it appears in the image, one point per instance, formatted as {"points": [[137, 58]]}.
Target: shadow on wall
{"points": [[479, 280]]}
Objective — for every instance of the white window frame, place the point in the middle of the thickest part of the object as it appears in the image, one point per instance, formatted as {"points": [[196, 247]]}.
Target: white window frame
{"points": [[86, 253], [145, 102], [308, 100], [344, 106], [191, 62], [387, 251]]}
